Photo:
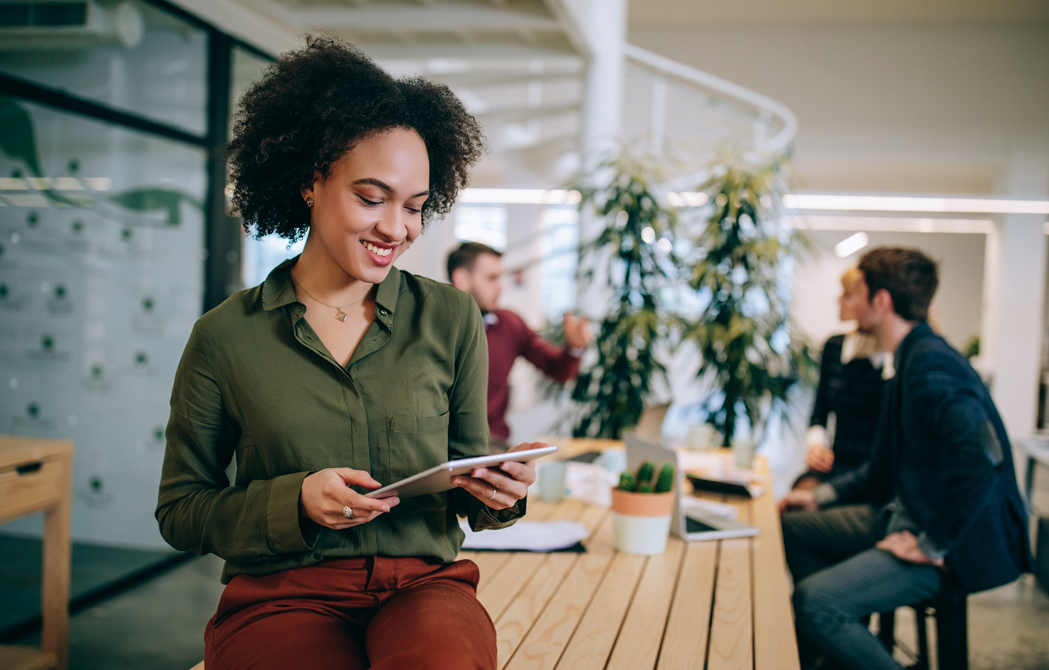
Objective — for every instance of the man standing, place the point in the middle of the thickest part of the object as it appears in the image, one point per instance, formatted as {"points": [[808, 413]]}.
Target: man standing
{"points": [[935, 507], [478, 270]]}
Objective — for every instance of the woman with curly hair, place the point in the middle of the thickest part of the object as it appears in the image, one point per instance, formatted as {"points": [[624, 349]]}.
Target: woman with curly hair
{"points": [[337, 373]]}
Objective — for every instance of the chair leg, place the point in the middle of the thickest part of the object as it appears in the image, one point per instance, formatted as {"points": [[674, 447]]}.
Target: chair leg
{"points": [[887, 629], [952, 632], [921, 623]]}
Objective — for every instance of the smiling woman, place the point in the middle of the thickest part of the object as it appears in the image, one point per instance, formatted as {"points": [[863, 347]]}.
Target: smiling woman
{"points": [[337, 374]]}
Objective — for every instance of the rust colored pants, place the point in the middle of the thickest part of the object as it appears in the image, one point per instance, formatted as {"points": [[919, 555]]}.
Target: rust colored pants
{"points": [[382, 613]]}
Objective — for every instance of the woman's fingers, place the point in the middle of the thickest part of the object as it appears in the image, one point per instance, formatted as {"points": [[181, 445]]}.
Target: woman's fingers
{"points": [[522, 472], [358, 477], [516, 489], [483, 491]]}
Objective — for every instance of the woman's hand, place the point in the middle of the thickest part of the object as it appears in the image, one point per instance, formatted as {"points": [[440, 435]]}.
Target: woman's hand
{"points": [[820, 459], [904, 546], [502, 488], [325, 494]]}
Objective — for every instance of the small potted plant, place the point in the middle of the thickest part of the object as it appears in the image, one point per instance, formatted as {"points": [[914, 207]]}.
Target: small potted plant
{"points": [[641, 509]]}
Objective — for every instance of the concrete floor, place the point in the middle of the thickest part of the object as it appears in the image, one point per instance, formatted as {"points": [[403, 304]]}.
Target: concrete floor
{"points": [[158, 625]]}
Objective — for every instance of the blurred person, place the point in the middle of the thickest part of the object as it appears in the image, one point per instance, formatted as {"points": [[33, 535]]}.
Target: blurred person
{"points": [[338, 373], [850, 386], [478, 270], [935, 507]]}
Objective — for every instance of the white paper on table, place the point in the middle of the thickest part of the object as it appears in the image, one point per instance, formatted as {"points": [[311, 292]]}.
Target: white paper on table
{"points": [[526, 536], [590, 483]]}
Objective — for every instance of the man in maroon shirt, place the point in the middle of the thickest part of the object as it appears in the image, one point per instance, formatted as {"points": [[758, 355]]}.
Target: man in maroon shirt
{"points": [[478, 270]]}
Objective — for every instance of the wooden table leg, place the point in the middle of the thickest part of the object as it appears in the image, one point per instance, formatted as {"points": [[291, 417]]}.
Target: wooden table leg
{"points": [[56, 577]]}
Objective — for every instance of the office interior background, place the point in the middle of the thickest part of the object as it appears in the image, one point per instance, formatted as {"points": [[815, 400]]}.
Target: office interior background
{"points": [[914, 124]]}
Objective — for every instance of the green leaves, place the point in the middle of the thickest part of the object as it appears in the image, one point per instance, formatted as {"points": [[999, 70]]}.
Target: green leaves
{"points": [[743, 334], [612, 392], [17, 136]]}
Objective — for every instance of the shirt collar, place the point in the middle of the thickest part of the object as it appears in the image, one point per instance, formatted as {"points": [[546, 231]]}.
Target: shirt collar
{"points": [[278, 291], [490, 319]]}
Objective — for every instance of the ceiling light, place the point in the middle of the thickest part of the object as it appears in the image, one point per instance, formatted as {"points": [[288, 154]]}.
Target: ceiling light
{"points": [[880, 203], [519, 196], [851, 244]]}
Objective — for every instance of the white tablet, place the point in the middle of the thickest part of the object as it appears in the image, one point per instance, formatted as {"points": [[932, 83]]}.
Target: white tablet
{"points": [[439, 478]]}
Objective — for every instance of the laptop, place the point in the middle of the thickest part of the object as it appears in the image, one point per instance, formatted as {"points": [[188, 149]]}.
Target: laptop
{"points": [[689, 523]]}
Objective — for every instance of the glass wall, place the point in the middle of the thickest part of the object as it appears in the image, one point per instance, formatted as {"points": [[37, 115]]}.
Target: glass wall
{"points": [[103, 243], [129, 56]]}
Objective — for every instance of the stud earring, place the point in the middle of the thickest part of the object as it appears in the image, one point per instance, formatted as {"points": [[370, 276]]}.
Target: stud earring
{"points": [[309, 201]]}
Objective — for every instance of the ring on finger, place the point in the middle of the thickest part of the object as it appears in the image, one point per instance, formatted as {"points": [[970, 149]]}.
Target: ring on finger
{"points": [[491, 496], [347, 512]]}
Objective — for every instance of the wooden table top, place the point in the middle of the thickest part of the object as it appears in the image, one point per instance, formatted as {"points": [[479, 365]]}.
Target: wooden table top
{"points": [[714, 604]]}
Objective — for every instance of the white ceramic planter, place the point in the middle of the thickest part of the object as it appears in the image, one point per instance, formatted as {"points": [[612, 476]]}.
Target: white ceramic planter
{"points": [[645, 535], [641, 521]]}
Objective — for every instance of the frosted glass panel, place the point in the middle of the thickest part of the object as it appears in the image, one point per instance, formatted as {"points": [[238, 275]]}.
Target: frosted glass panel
{"points": [[128, 55], [101, 280]]}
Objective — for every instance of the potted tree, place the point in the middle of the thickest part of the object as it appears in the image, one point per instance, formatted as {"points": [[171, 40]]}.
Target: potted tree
{"points": [[642, 508], [749, 356], [634, 252]]}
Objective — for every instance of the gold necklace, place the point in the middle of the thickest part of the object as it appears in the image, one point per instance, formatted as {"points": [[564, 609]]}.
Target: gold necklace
{"points": [[339, 313]]}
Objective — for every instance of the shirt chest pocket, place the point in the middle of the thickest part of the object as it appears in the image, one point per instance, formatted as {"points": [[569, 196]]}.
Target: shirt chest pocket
{"points": [[414, 444]]}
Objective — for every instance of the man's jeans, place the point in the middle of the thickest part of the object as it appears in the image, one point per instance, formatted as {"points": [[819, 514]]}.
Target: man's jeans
{"points": [[840, 577]]}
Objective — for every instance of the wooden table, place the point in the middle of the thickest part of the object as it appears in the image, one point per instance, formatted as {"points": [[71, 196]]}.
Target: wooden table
{"points": [[715, 604], [36, 476]]}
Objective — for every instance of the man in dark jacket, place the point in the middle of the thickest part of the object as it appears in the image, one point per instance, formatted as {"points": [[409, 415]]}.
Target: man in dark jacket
{"points": [[935, 507]]}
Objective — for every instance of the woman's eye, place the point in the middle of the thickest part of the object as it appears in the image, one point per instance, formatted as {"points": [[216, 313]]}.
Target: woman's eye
{"points": [[369, 202], [414, 210]]}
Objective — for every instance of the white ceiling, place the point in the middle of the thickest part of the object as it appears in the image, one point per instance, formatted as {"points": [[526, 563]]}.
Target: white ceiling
{"points": [[684, 14]]}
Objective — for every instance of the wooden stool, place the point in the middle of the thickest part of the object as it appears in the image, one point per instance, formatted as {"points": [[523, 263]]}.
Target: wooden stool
{"points": [[36, 475], [952, 630]]}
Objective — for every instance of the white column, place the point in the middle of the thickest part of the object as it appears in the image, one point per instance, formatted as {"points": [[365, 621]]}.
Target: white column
{"points": [[1011, 335], [605, 30]]}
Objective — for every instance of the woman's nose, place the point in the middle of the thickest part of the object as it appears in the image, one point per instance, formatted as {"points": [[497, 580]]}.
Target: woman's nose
{"points": [[392, 224]]}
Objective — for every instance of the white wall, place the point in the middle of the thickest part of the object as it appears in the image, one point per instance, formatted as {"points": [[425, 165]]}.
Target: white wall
{"points": [[956, 306], [886, 108]]}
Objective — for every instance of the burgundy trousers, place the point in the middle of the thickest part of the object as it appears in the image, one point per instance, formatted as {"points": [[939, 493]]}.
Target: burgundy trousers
{"points": [[379, 613]]}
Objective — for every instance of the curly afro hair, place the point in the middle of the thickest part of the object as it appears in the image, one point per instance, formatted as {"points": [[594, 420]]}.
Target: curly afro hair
{"points": [[313, 106]]}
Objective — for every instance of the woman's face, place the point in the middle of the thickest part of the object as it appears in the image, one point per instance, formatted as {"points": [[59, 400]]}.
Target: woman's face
{"points": [[368, 211], [853, 299]]}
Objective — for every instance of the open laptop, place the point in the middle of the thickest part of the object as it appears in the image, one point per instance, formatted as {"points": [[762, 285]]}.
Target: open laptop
{"points": [[689, 523]]}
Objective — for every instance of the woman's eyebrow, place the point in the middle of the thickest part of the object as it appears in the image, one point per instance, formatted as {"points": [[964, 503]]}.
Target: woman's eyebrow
{"points": [[386, 187]]}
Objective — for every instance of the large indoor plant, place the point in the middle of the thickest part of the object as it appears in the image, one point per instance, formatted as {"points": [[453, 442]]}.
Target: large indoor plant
{"points": [[749, 356], [633, 254]]}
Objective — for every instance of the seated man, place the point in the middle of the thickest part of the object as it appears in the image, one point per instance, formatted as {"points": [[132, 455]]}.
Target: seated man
{"points": [[478, 270], [936, 505]]}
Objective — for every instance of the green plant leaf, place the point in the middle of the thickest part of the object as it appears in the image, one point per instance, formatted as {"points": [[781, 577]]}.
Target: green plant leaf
{"points": [[150, 199], [17, 136]]}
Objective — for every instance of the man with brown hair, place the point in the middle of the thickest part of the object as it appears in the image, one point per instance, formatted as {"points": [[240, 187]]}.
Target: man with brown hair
{"points": [[478, 270], [936, 506]]}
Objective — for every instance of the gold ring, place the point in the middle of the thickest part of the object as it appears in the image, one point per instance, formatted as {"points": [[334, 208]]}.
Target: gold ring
{"points": [[494, 491], [347, 512]]}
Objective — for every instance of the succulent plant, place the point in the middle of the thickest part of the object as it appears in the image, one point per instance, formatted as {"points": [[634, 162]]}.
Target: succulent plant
{"points": [[626, 481], [665, 480], [644, 474], [642, 481]]}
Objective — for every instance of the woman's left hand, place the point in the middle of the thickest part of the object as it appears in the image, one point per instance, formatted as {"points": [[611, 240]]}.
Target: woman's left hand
{"points": [[502, 488]]}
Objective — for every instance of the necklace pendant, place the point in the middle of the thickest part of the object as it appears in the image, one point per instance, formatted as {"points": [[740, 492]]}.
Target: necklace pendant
{"points": [[340, 315]]}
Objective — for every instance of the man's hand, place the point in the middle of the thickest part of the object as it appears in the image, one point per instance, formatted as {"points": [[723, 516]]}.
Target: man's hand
{"points": [[904, 546], [820, 458], [502, 488], [803, 499], [577, 331]]}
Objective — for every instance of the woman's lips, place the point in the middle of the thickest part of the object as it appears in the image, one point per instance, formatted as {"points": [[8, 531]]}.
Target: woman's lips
{"points": [[380, 255]]}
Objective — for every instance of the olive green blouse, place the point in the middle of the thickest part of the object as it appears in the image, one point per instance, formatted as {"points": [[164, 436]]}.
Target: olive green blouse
{"points": [[256, 383]]}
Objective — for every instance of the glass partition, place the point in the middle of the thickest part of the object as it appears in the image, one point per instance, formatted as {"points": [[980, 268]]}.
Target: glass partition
{"points": [[126, 55], [101, 281]]}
